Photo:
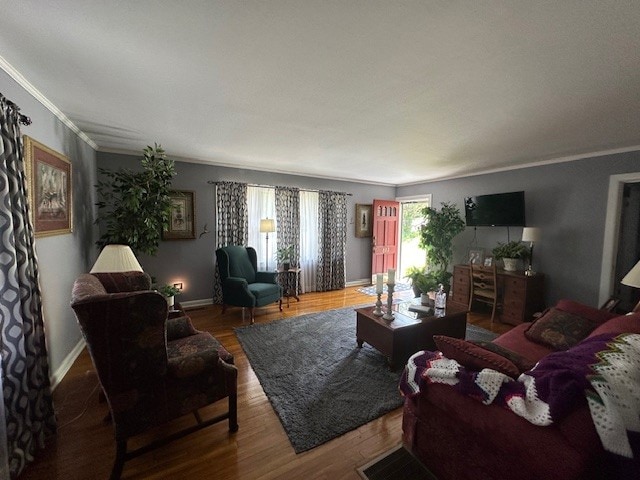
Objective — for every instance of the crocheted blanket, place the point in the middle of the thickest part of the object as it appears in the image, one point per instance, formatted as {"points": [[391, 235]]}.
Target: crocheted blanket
{"points": [[603, 371]]}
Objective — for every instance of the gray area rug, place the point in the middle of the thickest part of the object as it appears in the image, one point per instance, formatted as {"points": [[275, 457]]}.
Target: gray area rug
{"points": [[319, 382]]}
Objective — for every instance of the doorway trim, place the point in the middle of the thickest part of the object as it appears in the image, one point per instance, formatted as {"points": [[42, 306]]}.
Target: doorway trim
{"points": [[612, 232]]}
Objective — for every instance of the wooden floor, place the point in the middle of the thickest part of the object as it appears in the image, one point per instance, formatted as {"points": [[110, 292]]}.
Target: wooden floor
{"points": [[84, 447]]}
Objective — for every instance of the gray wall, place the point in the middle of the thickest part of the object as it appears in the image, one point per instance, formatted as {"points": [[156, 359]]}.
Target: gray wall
{"points": [[61, 258], [567, 201], [192, 261]]}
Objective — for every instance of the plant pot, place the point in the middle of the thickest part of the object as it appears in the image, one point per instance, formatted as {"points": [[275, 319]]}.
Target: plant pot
{"points": [[286, 265], [425, 299], [170, 301], [510, 264]]}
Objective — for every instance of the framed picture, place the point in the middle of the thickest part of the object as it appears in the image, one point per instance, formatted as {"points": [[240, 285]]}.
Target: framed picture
{"points": [[476, 256], [364, 225], [49, 183], [182, 222], [488, 262], [610, 304]]}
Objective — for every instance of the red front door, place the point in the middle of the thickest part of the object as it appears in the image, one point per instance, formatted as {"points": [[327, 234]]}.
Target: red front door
{"points": [[386, 215]]}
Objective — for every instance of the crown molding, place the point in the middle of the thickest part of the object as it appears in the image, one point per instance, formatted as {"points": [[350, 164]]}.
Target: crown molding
{"points": [[35, 93]]}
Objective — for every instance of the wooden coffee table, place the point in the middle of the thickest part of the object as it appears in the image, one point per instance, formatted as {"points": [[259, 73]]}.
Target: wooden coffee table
{"points": [[409, 332]]}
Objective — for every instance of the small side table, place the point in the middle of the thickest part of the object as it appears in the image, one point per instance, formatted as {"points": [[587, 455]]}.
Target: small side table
{"points": [[289, 280]]}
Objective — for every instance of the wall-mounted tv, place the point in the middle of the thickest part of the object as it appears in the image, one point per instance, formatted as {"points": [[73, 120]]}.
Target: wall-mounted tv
{"points": [[496, 210]]}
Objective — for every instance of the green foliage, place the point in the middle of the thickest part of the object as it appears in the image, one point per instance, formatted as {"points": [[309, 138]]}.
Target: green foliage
{"points": [[422, 279], [436, 237], [168, 290], [410, 213], [134, 206], [284, 253], [512, 249]]}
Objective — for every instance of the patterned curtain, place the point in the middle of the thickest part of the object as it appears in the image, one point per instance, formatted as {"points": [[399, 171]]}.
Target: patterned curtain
{"points": [[232, 223], [288, 220], [288, 229], [25, 370], [332, 227]]}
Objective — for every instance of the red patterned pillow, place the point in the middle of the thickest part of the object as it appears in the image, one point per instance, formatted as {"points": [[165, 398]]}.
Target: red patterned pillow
{"points": [[473, 356], [559, 329]]}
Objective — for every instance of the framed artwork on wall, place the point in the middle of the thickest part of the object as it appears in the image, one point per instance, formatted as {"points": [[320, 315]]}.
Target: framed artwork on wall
{"points": [[182, 222], [364, 225], [50, 188]]}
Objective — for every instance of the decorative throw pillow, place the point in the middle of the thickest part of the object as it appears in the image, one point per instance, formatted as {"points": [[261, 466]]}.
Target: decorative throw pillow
{"points": [[560, 330], [473, 356], [523, 364]]}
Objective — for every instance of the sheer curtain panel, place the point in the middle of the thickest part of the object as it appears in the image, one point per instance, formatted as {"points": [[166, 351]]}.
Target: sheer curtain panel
{"points": [[309, 246], [261, 202]]}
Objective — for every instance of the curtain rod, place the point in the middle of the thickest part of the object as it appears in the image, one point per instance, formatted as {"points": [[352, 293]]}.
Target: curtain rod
{"points": [[23, 119], [214, 182]]}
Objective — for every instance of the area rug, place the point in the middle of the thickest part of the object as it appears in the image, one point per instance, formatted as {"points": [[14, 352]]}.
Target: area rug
{"points": [[318, 381], [395, 464], [371, 290]]}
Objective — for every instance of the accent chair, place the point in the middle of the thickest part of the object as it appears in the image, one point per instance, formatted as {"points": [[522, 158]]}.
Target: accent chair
{"points": [[242, 284], [151, 369]]}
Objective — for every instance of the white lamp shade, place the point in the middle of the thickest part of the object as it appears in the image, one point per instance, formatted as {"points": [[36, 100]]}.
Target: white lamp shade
{"points": [[530, 234], [267, 225], [632, 279], [116, 258]]}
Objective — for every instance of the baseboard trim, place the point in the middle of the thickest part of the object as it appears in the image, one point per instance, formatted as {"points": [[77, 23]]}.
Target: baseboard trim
{"points": [[359, 283], [66, 364], [197, 303]]}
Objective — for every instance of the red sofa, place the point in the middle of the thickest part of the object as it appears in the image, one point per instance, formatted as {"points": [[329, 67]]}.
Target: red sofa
{"points": [[458, 437]]}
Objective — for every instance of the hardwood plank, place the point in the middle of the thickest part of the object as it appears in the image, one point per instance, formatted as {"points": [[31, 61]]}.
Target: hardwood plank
{"points": [[84, 446]]}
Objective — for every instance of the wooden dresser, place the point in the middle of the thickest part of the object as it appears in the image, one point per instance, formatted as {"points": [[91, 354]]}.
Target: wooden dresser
{"points": [[522, 296]]}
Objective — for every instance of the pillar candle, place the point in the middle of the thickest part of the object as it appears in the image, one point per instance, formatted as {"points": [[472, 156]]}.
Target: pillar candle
{"points": [[378, 283], [391, 276]]}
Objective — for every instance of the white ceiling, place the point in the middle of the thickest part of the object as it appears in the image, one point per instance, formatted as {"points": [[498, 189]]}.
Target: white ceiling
{"points": [[380, 91]]}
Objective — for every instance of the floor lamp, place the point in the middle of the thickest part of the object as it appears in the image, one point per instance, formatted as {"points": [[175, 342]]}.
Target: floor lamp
{"points": [[632, 279], [267, 225]]}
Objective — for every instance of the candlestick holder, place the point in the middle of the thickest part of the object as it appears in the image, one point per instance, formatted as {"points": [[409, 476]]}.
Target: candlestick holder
{"points": [[378, 311], [388, 315]]}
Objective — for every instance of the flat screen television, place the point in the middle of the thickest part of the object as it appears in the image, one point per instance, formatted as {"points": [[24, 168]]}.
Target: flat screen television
{"points": [[496, 210]]}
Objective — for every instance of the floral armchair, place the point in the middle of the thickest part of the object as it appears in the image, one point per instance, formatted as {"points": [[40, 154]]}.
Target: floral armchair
{"points": [[151, 369]]}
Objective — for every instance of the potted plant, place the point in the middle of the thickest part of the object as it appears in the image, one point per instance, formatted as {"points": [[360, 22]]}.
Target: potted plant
{"points": [[510, 252], [422, 281], [134, 206], [436, 237], [169, 292], [283, 256]]}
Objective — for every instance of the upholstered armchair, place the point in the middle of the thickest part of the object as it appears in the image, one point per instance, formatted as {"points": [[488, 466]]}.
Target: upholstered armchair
{"points": [[242, 284], [151, 369]]}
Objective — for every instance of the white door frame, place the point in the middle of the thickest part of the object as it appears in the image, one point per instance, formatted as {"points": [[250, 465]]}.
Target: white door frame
{"points": [[612, 232]]}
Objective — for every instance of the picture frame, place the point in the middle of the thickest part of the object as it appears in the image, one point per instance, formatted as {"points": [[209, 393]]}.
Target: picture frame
{"points": [[364, 220], [488, 261], [49, 183], [476, 256], [182, 220]]}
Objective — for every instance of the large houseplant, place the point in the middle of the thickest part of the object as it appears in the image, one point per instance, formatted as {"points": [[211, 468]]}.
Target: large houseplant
{"points": [[510, 252], [436, 237], [134, 206]]}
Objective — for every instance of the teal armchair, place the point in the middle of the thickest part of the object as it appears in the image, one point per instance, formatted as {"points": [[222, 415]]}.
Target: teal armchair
{"points": [[242, 284]]}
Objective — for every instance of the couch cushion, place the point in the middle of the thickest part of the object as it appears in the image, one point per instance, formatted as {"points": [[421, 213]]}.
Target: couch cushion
{"points": [[473, 356], [621, 324], [515, 341], [559, 329], [585, 311]]}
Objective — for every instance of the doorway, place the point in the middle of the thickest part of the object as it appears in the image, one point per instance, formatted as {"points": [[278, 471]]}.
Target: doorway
{"points": [[628, 246], [411, 255]]}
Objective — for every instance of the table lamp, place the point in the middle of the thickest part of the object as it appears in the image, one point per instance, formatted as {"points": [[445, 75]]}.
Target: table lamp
{"points": [[531, 235], [632, 279], [267, 225], [116, 258]]}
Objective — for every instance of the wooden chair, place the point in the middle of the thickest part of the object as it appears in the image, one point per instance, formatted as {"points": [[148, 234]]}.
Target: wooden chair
{"points": [[484, 287]]}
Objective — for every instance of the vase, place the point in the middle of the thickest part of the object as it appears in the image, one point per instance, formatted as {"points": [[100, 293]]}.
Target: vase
{"points": [[510, 264]]}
